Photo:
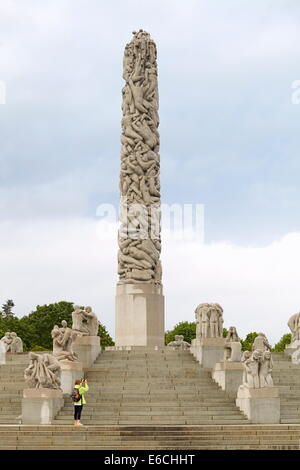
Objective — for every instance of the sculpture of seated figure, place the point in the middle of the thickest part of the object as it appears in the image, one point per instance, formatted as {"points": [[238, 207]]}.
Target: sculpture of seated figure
{"points": [[85, 321], [179, 343], [44, 371], [233, 346], [92, 323], [62, 342]]}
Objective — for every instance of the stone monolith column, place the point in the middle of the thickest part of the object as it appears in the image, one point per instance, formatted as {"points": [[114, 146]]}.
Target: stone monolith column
{"points": [[139, 298]]}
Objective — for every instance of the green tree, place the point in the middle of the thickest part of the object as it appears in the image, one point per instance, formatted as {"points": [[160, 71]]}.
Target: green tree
{"points": [[105, 338], [37, 326], [248, 341], [187, 329], [6, 309], [280, 346]]}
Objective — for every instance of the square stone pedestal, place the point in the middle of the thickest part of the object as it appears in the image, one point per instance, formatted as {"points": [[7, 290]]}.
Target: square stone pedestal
{"points": [[70, 371], [208, 351], [41, 405], [140, 315], [229, 375], [87, 349], [260, 405]]}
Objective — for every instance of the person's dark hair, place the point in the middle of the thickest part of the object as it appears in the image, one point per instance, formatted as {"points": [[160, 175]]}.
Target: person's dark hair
{"points": [[77, 382]]}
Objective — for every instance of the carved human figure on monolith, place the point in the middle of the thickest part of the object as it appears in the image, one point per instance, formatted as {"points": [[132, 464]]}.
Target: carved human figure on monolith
{"points": [[140, 167], [44, 371]]}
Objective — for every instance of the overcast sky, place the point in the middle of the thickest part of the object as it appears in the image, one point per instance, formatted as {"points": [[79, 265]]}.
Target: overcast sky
{"points": [[229, 140]]}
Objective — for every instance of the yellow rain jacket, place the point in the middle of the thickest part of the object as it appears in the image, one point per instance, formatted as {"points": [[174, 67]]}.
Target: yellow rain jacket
{"points": [[82, 389]]}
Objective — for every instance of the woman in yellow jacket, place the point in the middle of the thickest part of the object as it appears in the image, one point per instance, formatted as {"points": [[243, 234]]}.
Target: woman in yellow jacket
{"points": [[82, 387]]}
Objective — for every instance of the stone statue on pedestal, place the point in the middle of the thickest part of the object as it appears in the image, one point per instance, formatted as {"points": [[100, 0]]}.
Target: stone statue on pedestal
{"points": [[44, 371], [233, 346], [12, 343], [85, 321], [179, 343], [62, 342], [258, 365], [209, 321]]}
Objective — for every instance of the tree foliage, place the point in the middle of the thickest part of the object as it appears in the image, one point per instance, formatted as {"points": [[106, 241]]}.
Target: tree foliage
{"points": [[185, 328], [280, 346], [7, 309], [35, 328]]}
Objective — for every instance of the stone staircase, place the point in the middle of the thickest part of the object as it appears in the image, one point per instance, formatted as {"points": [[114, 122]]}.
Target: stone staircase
{"points": [[213, 437], [11, 387], [151, 400], [152, 387], [286, 377]]}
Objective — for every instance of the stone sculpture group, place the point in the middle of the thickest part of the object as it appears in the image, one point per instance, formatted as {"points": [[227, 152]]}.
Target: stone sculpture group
{"points": [[44, 370], [233, 346], [258, 364], [63, 339], [12, 343], [209, 321], [179, 343], [85, 322]]}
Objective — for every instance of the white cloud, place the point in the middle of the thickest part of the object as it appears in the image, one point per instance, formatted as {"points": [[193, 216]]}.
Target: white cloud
{"points": [[43, 262]]}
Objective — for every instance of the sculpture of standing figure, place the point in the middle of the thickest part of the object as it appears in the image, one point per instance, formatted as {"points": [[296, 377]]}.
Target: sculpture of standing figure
{"points": [[251, 364], [209, 320], [266, 367], [16, 344], [7, 340]]}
